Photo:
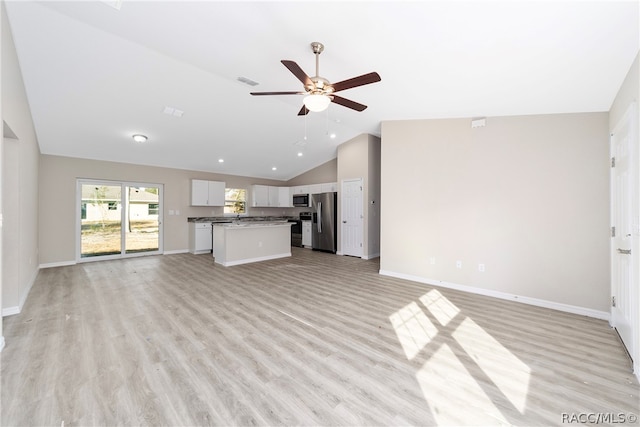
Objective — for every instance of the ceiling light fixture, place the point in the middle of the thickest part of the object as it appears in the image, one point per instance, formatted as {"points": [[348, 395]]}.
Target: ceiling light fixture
{"points": [[139, 138], [300, 154], [274, 168], [316, 102], [220, 160]]}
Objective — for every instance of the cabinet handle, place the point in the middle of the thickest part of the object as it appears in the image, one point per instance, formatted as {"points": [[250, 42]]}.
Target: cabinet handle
{"points": [[624, 251]]}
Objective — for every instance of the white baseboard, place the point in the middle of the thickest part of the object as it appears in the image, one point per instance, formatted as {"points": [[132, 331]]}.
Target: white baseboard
{"points": [[249, 260], [177, 251], [1, 343], [199, 252], [371, 256], [10, 311], [16, 309], [57, 264], [503, 295]]}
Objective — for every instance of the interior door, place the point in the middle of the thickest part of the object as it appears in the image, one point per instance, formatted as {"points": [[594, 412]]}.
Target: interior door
{"points": [[623, 293], [352, 218]]}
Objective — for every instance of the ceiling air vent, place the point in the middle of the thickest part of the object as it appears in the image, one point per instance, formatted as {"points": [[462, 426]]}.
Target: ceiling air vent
{"points": [[247, 81]]}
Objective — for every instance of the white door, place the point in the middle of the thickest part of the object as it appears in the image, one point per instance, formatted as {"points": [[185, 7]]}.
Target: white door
{"points": [[352, 218], [624, 294]]}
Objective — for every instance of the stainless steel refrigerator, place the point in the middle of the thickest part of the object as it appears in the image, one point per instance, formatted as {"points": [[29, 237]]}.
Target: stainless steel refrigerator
{"points": [[324, 227]]}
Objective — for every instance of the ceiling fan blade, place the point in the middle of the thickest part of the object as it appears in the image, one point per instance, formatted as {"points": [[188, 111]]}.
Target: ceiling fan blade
{"points": [[297, 71], [277, 93], [303, 111], [348, 103], [362, 80]]}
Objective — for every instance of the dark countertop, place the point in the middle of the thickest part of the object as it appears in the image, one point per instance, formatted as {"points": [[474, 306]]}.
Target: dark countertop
{"points": [[223, 219]]}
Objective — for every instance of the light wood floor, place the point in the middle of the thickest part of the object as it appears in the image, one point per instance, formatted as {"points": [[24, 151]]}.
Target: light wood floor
{"points": [[316, 339]]}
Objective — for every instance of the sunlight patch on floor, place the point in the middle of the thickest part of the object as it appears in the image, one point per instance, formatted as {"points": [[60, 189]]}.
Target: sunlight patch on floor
{"points": [[443, 309], [413, 328], [454, 395], [505, 370]]}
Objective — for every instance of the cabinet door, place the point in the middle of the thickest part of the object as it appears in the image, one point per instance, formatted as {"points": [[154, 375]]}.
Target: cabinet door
{"points": [[284, 197], [203, 237], [260, 194], [199, 192], [216, 193], [274, 196], [329, 187], [315, 189]]}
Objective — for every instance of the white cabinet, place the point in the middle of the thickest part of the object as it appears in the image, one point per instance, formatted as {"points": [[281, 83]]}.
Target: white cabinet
{"points": [[306, 233], [268, 196], [300, 189], [315, 188], [274, 197], [260, 195], [207, 193], [329, 187], [284, 197], [200, 237]]}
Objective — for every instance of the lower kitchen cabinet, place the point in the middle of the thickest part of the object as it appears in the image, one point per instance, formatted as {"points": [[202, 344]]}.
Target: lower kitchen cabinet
{"points": [[306, 233], [200, 237]]}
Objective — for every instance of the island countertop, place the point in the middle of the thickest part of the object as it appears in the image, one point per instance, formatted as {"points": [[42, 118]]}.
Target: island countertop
{"points": [[253, 224]]}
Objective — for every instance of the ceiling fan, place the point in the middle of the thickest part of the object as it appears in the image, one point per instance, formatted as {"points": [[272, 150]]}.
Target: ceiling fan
{"points": [[319, 91]]}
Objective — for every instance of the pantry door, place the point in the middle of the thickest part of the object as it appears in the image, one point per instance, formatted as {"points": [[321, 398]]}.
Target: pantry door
{"points": [[118, 219]]}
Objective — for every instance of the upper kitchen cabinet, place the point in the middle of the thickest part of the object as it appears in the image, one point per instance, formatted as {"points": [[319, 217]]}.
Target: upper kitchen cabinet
{"points": [[300, 189], [260, 195], [207, 193], [266, 196], [329, 187]]}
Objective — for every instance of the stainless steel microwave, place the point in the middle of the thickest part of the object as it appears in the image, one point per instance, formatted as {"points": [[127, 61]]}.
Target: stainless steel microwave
{"points": [[301, 200]]}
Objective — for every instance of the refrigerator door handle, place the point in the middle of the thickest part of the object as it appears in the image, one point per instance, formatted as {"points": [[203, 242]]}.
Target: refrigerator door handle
{"points": [[319, 214]]}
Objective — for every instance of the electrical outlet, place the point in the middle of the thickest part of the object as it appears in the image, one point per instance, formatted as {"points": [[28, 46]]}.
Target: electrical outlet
{"points": [[459, 265], [481, 268], [432, 260]]}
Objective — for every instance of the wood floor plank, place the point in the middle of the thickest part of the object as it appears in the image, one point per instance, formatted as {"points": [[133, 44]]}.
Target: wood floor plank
{"points": [[314, 339]]}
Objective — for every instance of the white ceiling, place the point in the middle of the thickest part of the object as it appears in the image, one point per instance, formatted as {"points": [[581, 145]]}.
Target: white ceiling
{"points": [[95, 75]]}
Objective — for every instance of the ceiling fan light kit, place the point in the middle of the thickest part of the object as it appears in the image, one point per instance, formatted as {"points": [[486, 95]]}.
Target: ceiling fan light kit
{"points": [[320, 91], [316, 102]]}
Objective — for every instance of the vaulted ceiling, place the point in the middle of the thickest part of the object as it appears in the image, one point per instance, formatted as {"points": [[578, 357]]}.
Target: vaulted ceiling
{"points": [[96, 74]]}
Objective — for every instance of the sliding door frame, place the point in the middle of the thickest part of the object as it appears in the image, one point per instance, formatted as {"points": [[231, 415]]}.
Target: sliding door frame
{"points": [[123, 212]]}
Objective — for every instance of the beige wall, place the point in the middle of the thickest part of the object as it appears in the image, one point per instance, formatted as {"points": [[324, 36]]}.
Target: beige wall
{"points": [[360, 158], [526, 196], [58, 176], [19, 182], [326, 172]]}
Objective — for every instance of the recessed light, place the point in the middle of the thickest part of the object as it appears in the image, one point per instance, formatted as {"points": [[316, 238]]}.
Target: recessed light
{"points": [[220, 160], [300, 154], [274, 168], [332, 136], [139, 137]]}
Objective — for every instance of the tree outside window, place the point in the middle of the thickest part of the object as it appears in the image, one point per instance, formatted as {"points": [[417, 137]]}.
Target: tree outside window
{"points": [[235, 201]]}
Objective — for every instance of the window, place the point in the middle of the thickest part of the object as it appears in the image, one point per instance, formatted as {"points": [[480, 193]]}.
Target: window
{"points": [[83, 210], [153, 209], [113, 206], [235, 201]]}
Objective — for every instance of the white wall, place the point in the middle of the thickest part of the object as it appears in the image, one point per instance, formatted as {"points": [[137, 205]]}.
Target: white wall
{"points": [[526, 196], [19, 182]]}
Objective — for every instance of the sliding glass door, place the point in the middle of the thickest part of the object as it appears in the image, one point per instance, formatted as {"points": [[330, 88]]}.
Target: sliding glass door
{"points": [[118, 219]]}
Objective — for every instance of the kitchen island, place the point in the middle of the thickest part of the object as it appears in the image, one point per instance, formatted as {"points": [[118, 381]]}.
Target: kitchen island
{"points": [[244, 242]]}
